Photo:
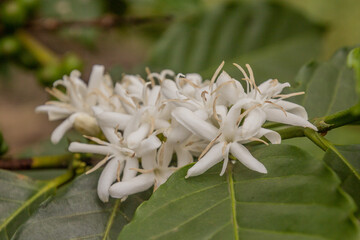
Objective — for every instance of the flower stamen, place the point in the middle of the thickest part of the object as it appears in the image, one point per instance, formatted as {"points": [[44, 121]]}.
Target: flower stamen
{"points": [[118, 171], [278, 106], [284, 96], [207, 148], [216, 73], [98, 165], [150, 77], [214, 110], [259, 140]]}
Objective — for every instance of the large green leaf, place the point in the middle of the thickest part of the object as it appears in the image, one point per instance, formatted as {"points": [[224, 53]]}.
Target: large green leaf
{"points": [[299, 198], [345, 161], [268, 36], [19, 198], [77, 213], [330, 86]]}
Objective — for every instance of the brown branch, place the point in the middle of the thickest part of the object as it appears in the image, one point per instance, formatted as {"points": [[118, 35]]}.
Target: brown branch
{"points": [[107, 21], [15, 164]]}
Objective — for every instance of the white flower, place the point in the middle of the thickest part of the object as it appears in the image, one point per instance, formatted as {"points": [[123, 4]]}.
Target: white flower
{"points": [[75, 105], [188, 91], [116, 155], [156, 171], [206, 119], [225, 139], [119, 157], [264, 102]]}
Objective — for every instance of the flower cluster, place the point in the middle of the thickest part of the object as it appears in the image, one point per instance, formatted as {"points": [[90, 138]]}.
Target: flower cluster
{"points": [[144, 123]]}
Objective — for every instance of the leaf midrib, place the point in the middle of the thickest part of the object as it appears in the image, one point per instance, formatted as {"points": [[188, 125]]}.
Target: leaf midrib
{"points": [[111, 219], [233, 203]]}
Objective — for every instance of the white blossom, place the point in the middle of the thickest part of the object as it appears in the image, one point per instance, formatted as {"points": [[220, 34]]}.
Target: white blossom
{"points": [[146, 122], [75, 105]]}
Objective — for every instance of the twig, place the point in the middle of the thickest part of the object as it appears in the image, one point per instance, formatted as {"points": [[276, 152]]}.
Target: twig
{"points": [[107, 21], [60, 161]]}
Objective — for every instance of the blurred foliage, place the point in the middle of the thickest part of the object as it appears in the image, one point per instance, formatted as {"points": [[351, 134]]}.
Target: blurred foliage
{"points": [[71, 10], [262, 35], [68, 10], [326, 84]]}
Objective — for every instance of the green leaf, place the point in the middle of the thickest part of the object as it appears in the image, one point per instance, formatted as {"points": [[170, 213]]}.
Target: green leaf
{"points": [[268, 36], [299, 198], [19, 197], [353, 61], [345, 162], [163, 7], [329, 86], [77, 213]]}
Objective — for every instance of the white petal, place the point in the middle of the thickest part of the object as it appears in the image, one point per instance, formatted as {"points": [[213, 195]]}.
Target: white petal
{"points": [[148, 161], [229, 92], [54, 112], [184, 157], [107, 178], [111, 119], [194, 77], [272, 136], [60, 130], [293, 108], [169, 89], [127, 172], [162, 177], [129, 105], [226, 159], [222, 111], [96, 77], [245, 157], [110, 135], [232, 116], [89, 148], [137, 184], [272, 87], [177, 134], [161, 123], [212, 157], [153, 95], [165, 154], [253, 122], [276, 115], [223, 77], [133, 125], [134, 139], [149, 144], [194, 124]]}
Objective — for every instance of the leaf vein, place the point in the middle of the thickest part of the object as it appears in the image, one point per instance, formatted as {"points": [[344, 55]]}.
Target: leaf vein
{"points": [[182, 197], [190, 219]]}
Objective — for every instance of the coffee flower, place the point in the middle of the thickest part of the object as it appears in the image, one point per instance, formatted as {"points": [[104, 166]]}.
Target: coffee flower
{"points": [[264, 102], [225, 139], [147, 122], [75, 104]]}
